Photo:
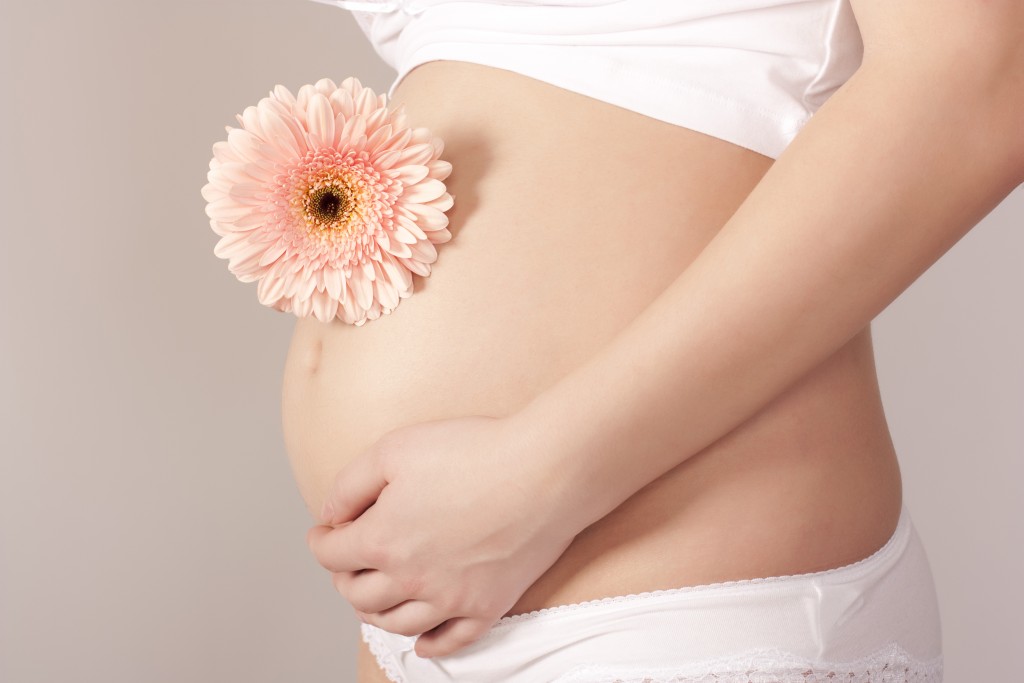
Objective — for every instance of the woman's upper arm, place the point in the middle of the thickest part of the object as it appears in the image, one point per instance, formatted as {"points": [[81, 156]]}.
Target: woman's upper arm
{"points": [[971, 30], [968, 51]]}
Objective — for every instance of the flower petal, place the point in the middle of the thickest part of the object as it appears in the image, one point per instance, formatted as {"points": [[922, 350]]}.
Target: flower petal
{"points": [[415, 154], [366, 101], [442, 203], [397, 248], [426, 216], [245, 144], [274, 252], [277, 134], [423, 191], [363, 287], [342, 103], [376, 120], [379, 137], [269, 290], [227, 245], [410, 226], [398, 140], [386, 294], [439, 168], [303, 307], [404, 235], [409, 175], [251, 221], [249, 194], [284, 95], [416, 266], [324, 307], [321, 121], [325, 86], [307, 283], [386, 159], [334, 281], [367, 268], [354, 127], [424, 251], [398, 274]]}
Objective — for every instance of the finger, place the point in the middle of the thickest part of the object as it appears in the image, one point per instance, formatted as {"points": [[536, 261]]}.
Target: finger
{"points": [[410, 618], [337, 549], [370, 590], [451, 636], [355, 488]]}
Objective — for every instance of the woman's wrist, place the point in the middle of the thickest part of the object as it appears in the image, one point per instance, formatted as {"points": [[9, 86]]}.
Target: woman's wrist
{"points": [[569, 436]]}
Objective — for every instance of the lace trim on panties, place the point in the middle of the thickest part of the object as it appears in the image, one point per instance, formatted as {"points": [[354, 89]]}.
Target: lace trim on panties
{"points": [[891, 664], [380, 652]]}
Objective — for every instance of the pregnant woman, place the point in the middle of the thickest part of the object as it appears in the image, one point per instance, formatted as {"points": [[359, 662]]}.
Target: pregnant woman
{"points": [[629, 428]]}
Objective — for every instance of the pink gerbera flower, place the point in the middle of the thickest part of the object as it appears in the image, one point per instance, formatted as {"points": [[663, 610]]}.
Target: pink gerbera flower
{"points": [[328, 200]]}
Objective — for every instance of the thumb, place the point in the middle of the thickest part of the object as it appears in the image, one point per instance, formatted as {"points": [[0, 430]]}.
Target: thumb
{"points": [[355, 488]]}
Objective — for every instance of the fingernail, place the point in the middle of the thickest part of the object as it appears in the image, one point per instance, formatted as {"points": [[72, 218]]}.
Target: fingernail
{"points": [[327, 513]]}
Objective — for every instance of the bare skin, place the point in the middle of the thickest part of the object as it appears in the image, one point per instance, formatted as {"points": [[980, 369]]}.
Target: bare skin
{"points": [[570, 216]]}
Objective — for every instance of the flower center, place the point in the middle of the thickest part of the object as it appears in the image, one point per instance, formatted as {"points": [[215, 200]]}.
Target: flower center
{"points": [[329, 205]]}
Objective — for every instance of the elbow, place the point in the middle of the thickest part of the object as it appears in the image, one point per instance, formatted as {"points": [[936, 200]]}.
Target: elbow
{"points": [[1002, 83], [985, 92], [1000, 120], [1008, 126], [963, 61]]}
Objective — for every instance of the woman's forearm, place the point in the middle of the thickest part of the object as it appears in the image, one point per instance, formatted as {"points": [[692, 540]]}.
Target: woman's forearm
{"points": [[891, 172]]}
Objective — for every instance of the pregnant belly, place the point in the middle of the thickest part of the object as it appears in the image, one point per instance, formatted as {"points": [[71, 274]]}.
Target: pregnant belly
{"points": [[570, 216]]}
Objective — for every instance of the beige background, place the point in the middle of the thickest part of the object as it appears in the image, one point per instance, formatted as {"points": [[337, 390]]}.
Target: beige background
{"points": [[150, 527]]}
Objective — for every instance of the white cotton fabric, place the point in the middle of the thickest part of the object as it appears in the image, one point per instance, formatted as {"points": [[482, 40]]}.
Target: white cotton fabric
{"points": [[873, 621], [751, 72]]}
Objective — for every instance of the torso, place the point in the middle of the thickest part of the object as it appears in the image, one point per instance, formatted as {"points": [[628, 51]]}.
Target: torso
{"points": [[571, 215]]}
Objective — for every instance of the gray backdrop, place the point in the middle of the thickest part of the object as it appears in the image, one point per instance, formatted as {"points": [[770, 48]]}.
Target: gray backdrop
{"points": [[149, 526]]}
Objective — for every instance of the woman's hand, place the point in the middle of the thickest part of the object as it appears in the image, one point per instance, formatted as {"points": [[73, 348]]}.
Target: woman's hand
{"points": [[442, 524]]}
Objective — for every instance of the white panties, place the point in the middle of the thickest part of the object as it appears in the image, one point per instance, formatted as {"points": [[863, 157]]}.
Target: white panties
{"points": [[872, 621]]}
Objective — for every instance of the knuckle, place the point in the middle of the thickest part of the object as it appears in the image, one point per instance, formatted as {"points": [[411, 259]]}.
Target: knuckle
{"points": [[450, 602], [478, 603], [412, 585], [378, 553]]}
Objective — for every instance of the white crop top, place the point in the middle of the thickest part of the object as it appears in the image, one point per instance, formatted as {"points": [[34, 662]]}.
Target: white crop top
{"points": [[751, 72]]}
